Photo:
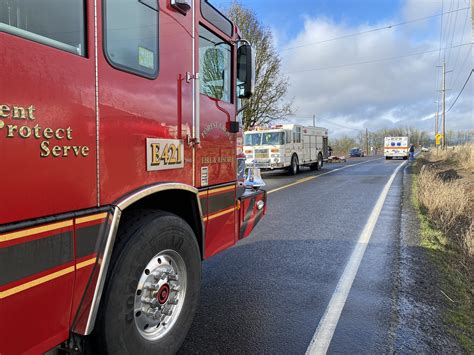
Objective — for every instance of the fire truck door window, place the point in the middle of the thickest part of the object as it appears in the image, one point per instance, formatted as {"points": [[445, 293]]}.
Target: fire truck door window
{"points": [[215, 66], [252, 139], [297, 135], [131, 36], [288, 137], [55, 23], [273, 138]]}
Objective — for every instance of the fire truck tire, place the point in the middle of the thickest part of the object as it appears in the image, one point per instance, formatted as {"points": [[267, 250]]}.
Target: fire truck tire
{"points": [[152, 289], [294, 167]]}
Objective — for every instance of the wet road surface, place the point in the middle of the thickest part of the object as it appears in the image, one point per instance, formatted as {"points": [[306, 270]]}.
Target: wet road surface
{"points": [[268, 294]]}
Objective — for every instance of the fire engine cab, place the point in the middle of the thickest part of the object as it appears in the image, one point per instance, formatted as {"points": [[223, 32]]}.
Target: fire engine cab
{"points": [[122, 161], [286, 147]]}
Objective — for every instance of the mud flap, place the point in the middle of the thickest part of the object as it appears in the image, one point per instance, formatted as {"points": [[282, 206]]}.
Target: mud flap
{"points": [[253, 206]]}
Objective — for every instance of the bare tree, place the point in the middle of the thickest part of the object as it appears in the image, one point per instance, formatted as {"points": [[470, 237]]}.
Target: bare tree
{"points": [[341, 146], [267, 104]]}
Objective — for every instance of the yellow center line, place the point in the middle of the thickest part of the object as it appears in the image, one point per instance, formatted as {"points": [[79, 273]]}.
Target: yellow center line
{"points": [[309, 178], [297, 182]]}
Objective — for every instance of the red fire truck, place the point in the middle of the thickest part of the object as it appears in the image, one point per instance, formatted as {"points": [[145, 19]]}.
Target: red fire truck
{"points": [[121, 169]]}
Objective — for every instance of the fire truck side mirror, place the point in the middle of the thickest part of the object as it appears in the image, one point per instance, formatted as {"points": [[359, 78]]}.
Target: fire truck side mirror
{"points": [[233, 126], [246, 70]]}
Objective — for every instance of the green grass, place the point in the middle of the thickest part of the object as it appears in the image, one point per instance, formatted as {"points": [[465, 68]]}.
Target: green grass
{"points": [[454, 282]]}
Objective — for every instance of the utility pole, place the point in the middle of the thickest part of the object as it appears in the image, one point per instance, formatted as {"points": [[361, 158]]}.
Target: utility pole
{"points": [[436, 125], [314, 120], [367, 140], [443, 125], [443, 113]]}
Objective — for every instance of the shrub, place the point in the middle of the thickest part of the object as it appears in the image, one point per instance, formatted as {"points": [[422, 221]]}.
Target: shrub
{"points": [[447, 205]]}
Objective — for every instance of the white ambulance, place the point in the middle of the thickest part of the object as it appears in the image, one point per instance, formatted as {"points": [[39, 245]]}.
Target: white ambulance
{"points": [[287, 146], [396, 147]]}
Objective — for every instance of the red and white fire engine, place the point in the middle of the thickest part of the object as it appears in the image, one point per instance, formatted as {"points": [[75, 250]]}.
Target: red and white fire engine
{"points": [[119, 148]]}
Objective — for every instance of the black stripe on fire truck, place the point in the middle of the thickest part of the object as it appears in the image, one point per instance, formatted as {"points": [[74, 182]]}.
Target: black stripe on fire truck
{"points": [[26, 259], [258, 217], [203, 205], [218, 188], [220, 202], [53, 219], [248, 215], [217, 201], [86, 239]]}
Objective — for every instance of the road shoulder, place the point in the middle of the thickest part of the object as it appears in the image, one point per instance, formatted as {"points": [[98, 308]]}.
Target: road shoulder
{"points": [[419, 303]]}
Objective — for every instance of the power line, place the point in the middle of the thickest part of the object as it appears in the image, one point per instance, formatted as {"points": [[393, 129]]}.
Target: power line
{"points": [[372, 30], [457, 97], [454, 31], [372, 61], [333, 123], [438, 78], [459, 49], [342, 126], [440, 32], [454, 82], [447, 30]]}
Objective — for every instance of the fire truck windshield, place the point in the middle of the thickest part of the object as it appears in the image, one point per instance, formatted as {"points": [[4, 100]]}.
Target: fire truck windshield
{"points": [[268, 138]]}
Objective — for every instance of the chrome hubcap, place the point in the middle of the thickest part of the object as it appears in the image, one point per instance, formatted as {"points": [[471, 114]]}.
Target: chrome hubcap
{"points": [[160, 295]]}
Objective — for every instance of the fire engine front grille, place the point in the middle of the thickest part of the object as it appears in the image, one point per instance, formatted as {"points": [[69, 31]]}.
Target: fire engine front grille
{"points": [[261, 153]]}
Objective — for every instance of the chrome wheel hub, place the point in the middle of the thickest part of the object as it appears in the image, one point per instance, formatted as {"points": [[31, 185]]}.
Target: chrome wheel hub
{"points": [[160, 295]]}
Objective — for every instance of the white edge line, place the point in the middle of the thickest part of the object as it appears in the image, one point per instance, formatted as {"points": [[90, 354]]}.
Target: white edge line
{"points": [[322, 337]]}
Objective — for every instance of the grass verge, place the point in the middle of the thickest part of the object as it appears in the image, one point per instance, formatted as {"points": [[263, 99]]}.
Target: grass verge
{"points": [[455, 277]]}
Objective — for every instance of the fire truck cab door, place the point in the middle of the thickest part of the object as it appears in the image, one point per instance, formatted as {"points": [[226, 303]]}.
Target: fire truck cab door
{"points": [[48, 159], [216, 155]]}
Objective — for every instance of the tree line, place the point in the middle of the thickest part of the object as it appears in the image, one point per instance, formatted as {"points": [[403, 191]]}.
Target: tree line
{"points": [[342, 145]]}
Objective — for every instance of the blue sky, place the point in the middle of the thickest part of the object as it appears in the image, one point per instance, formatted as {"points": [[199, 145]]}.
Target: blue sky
{"points": [[290, 14], [378, 95]]}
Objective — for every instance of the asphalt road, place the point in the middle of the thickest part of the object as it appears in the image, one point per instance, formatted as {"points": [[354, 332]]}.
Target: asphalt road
{"points": [[268, 294]]}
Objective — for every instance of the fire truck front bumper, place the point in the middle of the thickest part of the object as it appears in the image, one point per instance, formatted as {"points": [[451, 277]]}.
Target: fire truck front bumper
{"points": [[266, 164], [253, 206]]}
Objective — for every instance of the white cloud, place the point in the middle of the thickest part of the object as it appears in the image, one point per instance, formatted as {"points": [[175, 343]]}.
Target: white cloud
{"points": [[421, 8], [381, 94]]}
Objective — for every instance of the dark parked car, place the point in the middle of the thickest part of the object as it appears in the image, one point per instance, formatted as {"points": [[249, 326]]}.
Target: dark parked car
{"points": [[356, 152]]}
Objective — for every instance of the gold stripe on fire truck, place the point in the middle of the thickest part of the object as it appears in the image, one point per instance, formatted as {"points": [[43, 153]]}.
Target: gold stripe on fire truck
{"points": [[94, 217], [218, 214], [46, 278], [219, 189], [32, 231], [49, 227]]}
